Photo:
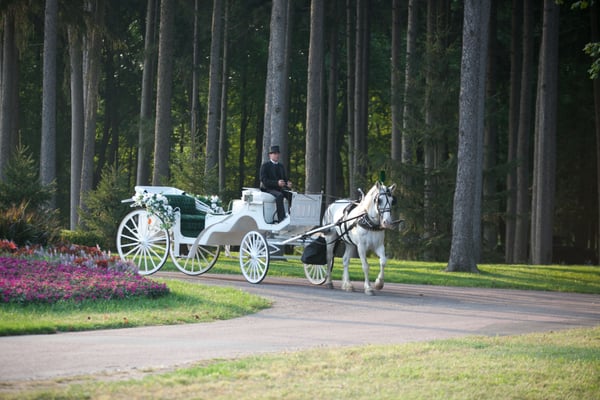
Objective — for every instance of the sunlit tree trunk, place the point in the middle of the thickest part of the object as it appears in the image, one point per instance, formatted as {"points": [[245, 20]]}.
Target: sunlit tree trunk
{"points": [[314, 98], [77, 122], [350, 82], [544, 171], [275, 85], [9, 94], [466, 219], [360, 93], [91, 78], [214, 94], [396, 99], [521, 233], [162, 131], [513, 128], [332, 159], [409, 114], [596, 82], [145, 130], [48, 145]]}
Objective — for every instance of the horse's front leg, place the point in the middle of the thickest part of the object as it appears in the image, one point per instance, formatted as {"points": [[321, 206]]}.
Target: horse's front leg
{"points": [[382, 262], [362, 253]]}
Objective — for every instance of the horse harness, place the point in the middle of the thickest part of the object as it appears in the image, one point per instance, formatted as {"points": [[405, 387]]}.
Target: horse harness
{"points": [[363, 220]]}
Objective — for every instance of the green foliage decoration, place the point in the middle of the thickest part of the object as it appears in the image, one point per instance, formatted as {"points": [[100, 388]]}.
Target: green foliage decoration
{"points": [[104, 209]]}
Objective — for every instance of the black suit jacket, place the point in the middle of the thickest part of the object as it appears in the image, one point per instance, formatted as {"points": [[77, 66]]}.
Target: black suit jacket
{"points": [[270, 174]]}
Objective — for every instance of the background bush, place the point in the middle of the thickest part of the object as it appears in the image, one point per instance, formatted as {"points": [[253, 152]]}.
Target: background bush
{"points": [[25, 213]]}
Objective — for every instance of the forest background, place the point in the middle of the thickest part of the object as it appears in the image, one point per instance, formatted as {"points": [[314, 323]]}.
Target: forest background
{"points": [[105, 95]]}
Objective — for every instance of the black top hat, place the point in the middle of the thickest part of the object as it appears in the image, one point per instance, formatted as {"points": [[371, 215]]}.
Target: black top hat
{"points": [[274, 149]]}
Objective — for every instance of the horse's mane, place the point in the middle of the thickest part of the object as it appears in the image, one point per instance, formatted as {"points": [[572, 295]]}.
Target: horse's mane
{"points": [[368, 198]]}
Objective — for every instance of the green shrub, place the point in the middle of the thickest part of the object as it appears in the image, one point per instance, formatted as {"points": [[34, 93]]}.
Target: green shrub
{"points": [[21, 183], [25, 216], [81, 237], [104, 210], [29, 227]]}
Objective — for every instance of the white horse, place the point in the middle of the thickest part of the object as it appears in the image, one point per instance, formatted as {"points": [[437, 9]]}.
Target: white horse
{"points": [[362, 226]]}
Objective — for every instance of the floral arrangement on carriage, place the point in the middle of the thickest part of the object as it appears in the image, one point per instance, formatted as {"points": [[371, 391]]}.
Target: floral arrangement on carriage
{"points": [[157, 204]]}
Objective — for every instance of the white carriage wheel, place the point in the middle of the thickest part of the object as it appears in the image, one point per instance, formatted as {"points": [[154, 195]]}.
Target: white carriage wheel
{"points": [[316, 274], [254, 257], [195, 259], [141, 239]]}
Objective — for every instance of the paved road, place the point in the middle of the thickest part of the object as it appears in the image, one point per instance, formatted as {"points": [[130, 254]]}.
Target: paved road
{"points": [[303, 316]]}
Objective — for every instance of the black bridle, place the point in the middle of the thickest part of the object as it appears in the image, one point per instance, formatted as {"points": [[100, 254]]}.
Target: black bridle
{"points": [[382, 205]]}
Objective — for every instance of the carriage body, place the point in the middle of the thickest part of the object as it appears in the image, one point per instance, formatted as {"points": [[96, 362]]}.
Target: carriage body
{"points": [[199, 231]]}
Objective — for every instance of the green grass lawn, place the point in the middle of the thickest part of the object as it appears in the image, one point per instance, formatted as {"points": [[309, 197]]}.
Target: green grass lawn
{"points": [[555, 365], [560, 278]]}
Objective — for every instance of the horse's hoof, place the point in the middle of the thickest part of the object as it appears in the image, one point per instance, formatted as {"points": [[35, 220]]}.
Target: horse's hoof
{"points": [[379, 285], [329, 285], [348, 288], [369, 292]]}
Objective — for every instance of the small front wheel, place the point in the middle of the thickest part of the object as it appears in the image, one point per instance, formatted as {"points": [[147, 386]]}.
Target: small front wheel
{"points": [[142, 240], [254, 257], [316, 274]]}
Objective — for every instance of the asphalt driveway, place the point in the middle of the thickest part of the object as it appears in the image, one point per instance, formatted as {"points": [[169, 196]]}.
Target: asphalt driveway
{"points": [[303, 316]]}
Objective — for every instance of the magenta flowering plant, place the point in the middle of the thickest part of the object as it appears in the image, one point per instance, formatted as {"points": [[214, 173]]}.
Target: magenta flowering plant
{"points": [[76, 273], [38, 281]]}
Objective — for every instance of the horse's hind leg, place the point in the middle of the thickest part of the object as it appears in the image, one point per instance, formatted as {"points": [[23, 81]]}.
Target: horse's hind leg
{"points": [[346, 284], [330, 250]]}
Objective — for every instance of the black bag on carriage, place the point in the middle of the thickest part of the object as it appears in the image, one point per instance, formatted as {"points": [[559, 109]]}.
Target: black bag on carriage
{"points": [[315, 252]]}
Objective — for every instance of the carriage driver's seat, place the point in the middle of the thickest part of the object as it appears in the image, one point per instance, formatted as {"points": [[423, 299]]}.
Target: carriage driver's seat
{"points": [[270, 208]]}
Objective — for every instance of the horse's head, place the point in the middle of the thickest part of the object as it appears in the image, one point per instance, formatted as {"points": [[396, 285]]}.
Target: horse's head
{"points": [[381, 199]]}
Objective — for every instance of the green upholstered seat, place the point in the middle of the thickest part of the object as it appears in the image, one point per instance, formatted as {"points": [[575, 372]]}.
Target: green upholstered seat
{"points": [[192, 220]]}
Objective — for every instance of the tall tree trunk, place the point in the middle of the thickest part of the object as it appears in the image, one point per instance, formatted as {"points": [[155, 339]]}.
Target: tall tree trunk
{"points": [[490, 224], [350, 82], [332, 147], [91, 78], [214, 95], [521, 233], [513, 129], [465, 247], [360, 92], [162, 132], [396, 99], [48, 145], [274, 130], [314, 98], [223, 113], [596, 82], [77, 122], [195, 78], [409, 114], [542, 205], [9, 99], [146, 127]]}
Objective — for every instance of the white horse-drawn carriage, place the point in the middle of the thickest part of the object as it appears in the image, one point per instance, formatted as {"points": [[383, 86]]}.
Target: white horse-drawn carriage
{"points": [[191, 231]]}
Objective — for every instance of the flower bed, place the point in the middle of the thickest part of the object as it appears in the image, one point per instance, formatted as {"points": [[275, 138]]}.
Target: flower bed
{"points": [[70, 273]]}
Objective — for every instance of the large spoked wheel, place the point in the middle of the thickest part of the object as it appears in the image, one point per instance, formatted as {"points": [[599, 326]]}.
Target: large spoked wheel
{"points": [[316, 274], [195, 259], [254, 257], [141, 239]]}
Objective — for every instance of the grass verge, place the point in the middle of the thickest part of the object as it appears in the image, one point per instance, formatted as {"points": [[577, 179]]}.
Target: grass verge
{"points": [[555, 365], [187, 303]]}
